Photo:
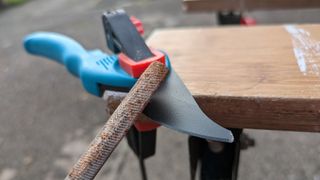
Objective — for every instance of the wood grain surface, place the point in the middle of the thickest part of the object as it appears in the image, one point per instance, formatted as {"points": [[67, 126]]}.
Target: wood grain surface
{"points": [[250, 77], [118, 124], [220, 5]]}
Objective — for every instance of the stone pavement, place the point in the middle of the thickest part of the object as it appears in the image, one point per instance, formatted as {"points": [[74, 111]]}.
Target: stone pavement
{"points": [[47, 119]]}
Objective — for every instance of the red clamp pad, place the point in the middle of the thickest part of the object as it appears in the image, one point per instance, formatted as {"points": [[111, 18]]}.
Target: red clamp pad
{"points": [[136, 68], [146, 125], [248, 21]]}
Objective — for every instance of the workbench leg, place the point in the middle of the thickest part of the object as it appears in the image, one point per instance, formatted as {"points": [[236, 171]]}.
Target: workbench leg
{"points": [[218, 160], [143, 145], [228, 18]]}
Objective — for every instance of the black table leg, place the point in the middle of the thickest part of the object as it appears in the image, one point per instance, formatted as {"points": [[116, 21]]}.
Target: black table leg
{"points": [[229, 18], [219, 161], [143, 145]]}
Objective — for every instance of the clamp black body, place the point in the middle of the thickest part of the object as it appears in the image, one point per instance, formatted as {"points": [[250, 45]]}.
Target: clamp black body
{"points": [[122, 36]]}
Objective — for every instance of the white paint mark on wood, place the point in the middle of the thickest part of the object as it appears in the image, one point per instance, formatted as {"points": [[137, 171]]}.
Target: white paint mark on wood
{"points": [[306, 50], [300, 60]]}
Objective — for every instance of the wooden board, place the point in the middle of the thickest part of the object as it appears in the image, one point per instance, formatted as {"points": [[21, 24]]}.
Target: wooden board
{"points": [[220, 5], [250, 77]]}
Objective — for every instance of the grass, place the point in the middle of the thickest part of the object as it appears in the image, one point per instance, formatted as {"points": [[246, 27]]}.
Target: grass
{"points": [[13, 2]]}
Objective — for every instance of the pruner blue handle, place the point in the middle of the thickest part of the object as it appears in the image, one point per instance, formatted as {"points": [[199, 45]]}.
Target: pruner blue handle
{"points": [[94, 68], [59, 48]]}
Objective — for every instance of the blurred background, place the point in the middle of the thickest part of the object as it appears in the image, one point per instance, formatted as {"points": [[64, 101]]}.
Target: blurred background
{"points": [[47, 120]]}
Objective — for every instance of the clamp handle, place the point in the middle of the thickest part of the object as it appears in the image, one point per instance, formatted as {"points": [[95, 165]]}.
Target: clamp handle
{"points": [[134, 55], [123, 37]]}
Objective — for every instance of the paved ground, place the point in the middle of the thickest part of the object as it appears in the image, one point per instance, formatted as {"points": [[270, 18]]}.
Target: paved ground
{"points": [[47, 120]]}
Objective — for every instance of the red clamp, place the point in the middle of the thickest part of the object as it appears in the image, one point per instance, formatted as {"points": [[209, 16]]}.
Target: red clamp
{"points": [[248, 21], [136, 68], [146, 125]]}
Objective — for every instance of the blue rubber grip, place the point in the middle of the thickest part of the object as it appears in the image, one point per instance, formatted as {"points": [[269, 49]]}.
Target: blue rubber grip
{"points": [[57, 47]]}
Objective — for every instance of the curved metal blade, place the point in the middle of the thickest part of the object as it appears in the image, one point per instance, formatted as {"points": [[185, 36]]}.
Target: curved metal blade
{"points": [[174, 107]]}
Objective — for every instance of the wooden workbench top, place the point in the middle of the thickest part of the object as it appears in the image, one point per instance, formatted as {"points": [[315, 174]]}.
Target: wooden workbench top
{"points": [[265, 77], [240, 5]]}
